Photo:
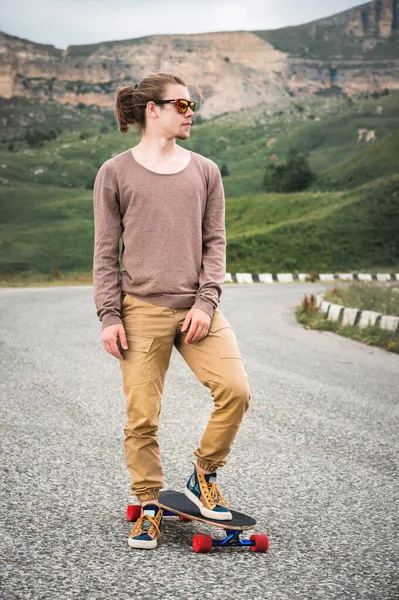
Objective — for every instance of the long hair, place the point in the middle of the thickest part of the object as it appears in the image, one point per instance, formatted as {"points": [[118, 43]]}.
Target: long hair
{"points": [[131, 101]]}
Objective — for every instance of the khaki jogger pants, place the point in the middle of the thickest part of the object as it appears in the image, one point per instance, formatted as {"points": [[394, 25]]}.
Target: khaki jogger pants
{"points": [[151, 333]]}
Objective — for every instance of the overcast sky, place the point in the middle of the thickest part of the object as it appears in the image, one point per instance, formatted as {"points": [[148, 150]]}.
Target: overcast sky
{"points": [[67, 22]]}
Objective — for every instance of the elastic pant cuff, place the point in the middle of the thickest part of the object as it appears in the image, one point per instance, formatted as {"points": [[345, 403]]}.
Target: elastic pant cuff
{"points": [[206, 465], [150, 495]]}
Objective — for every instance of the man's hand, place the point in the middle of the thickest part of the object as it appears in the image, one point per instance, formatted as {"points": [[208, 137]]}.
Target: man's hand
{"points": [[110, 337], [199, 328]]}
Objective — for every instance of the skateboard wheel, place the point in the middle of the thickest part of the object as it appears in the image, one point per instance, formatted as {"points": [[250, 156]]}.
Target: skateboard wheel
{"points": [[181, 518], [133, 512], [202, 543], [261, 543]]}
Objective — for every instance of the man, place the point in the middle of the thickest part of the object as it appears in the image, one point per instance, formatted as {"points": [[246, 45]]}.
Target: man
{"points": [[168, 205]]}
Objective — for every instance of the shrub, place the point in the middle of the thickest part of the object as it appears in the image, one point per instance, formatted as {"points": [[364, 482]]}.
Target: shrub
{"points": [[309, 304], [224, 170], [294, 175], [311, 276], [36, 138]]}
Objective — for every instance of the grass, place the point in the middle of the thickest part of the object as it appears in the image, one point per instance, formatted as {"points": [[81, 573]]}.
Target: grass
{"points": [[312, 318], [374, 160], [44, 228], [54, 279], [383, 299], [347, 231]]}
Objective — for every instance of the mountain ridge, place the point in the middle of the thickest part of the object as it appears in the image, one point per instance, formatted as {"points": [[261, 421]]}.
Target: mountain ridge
{"points": [[349, 52]]}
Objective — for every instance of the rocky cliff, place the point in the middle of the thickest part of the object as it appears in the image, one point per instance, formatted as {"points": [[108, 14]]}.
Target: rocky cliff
{"points": [[374, 20], [355, 50]]}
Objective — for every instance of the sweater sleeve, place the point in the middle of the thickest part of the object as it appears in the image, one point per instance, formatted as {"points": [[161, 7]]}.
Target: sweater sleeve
{"points": [[107, 232], [213, 267]]}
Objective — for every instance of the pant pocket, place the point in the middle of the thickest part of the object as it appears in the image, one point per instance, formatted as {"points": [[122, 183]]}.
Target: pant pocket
{"points": [[223, 336], [226, 343], [136, 363]]}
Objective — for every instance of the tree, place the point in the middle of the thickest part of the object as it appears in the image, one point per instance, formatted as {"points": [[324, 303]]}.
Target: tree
{"points": [[294, 175], [36, 138], [224, 170]]}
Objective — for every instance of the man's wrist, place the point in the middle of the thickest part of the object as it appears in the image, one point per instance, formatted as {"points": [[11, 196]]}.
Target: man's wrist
{"points": [[205, 306], [108, 320]]}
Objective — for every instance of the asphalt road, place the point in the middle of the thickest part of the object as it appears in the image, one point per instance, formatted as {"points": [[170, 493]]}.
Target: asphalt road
{"points": [[315, 461]]}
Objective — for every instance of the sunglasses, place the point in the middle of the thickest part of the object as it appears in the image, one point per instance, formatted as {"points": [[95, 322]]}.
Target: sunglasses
{"points": [[181, 104]]}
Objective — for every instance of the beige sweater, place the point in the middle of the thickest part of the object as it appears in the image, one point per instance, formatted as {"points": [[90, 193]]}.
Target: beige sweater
{"points": [[173, 233]]}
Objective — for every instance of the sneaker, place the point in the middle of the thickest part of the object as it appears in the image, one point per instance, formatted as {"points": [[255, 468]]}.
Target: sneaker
{"points": [[147, 529], [203, 491]]}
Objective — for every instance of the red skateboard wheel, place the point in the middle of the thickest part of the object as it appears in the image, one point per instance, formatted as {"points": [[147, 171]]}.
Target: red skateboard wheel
{"points": [[133, 512], [202, 543], [261, 543]]}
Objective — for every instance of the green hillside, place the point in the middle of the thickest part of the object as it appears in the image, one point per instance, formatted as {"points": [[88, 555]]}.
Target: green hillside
{"points": [[326, 129], [241, 142], [45, 228], [347, 220], [322, 232], [376, 160]]}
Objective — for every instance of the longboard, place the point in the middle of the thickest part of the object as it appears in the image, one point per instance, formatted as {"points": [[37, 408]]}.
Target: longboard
{"points": [[177, 504]]}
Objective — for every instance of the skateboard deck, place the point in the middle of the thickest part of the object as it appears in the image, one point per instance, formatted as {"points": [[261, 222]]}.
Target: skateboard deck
{"points": [[179, 504]]}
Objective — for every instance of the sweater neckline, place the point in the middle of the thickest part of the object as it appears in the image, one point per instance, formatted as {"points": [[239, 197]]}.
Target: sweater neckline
{"points": [[136, 162]]}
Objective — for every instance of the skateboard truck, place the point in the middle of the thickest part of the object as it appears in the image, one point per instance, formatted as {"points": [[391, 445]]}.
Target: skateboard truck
{"points": [[204, 543]]}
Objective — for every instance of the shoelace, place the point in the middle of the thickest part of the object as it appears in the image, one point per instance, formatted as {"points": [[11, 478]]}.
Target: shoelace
{"points": [[216, 495], [212, 491], [144, 525]]}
